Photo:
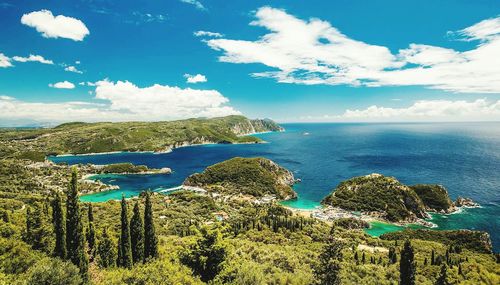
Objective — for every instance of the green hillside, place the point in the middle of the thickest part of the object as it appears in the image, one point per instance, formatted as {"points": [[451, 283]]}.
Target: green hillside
{"points": [[249, 176], [80, 138]]}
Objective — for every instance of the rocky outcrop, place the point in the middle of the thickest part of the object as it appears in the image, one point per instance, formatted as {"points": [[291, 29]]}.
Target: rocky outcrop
{"points": [[435, 198], [466, 203]]}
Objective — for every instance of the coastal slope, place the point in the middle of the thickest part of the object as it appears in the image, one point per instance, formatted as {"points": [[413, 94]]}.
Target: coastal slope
{"points": [[255, 177], [83, 138]]}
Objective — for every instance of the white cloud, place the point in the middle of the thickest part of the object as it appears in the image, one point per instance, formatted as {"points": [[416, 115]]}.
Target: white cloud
{"points": [[195, 3], [314, 52], [207, 34], [72, 69], [195, 78], [55, 27], [5, 61], [62, 85], [424, 110], [122, 101], [31, 57]]}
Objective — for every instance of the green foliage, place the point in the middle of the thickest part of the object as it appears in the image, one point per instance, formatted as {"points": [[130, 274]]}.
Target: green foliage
{"points": [[125, 248], [407, 265], [75, 239], [90, 235], [351, 223], [207, 255], [377, 193], [58, 222], [443, 276], [473, 240], [250, 176], [150, 238], [106, 254], [16, 256], [38, 233], [328, 269], [137, 235], [53, 271], [434, 197]]}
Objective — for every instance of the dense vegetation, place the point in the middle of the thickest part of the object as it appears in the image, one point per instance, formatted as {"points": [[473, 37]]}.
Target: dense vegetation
{"points": [[377, 193], [434, 197], [256, 177], [77, 138], [472, 240], [47, 236], [124, 168]]}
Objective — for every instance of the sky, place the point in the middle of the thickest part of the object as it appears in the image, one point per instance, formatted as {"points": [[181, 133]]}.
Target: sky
{"points": [[291, 61]]}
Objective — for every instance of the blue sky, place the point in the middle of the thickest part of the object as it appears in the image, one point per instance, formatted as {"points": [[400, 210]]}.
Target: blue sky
{"points": [[96, 60]]}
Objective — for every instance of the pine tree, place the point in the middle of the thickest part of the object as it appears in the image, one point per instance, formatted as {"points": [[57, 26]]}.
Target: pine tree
{"points": [[137, 235], [106, 251], [91, 232], [328, 269], [75, 239], [59, 227], [442, 279], [125, 244], [407, 265], [150, 238]]}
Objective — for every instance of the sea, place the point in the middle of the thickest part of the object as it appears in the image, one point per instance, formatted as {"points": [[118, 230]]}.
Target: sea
{"points": [[463, 157]]}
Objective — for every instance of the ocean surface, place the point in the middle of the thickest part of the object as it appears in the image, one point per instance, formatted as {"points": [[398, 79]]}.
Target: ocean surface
{"points": [[464, 157]]}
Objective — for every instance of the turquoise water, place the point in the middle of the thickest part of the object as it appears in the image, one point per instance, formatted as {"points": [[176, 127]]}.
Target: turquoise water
{"points": [[464, 157]]}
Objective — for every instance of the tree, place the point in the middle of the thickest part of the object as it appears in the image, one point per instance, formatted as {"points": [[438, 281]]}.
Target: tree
{"points": [[328, 269], [106, 251], [393, 257], [363, 258], [433, 257], [442, 279], [91, 232], [125, 249], [53, 271], [207, 255], [37, 230], [59, 226], [75, 239], [407, 265], [137, 235], [150, 238]]}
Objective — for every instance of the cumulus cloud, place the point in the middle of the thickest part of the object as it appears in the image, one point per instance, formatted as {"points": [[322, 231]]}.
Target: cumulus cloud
{"points": [[195, 3], [195, 78], [123, 101], [59, 26], [62, 85], [5, 61], [314, 52], [424, 110], [34, 58], [207, 34], [72, 69]]}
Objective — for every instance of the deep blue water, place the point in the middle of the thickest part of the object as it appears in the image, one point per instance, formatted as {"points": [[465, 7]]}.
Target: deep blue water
{"points": [[464, 157]]}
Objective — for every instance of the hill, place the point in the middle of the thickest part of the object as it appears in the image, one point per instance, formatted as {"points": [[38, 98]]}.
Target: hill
{"points": [[248, 176], [385, 196], [81, 138]]}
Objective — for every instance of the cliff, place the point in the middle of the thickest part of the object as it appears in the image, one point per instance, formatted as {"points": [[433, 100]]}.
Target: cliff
{"points": [[256, 177]]}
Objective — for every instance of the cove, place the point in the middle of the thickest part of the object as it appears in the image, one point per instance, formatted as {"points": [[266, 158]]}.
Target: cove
{"points": [[463, 157]]}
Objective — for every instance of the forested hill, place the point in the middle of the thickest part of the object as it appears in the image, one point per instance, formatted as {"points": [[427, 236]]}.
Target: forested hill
{"points": [[80, 138]]}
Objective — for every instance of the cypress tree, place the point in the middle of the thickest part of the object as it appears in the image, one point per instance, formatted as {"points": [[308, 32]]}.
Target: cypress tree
{"points": [[150, 239], [328, 269], [106, 251], [125, 249], [137, 235], [91, 232], [433, 258], [28, 235], [363, 258], [75, 239], [37, 230], [59, 227], [442, 279], [407, 265]]}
